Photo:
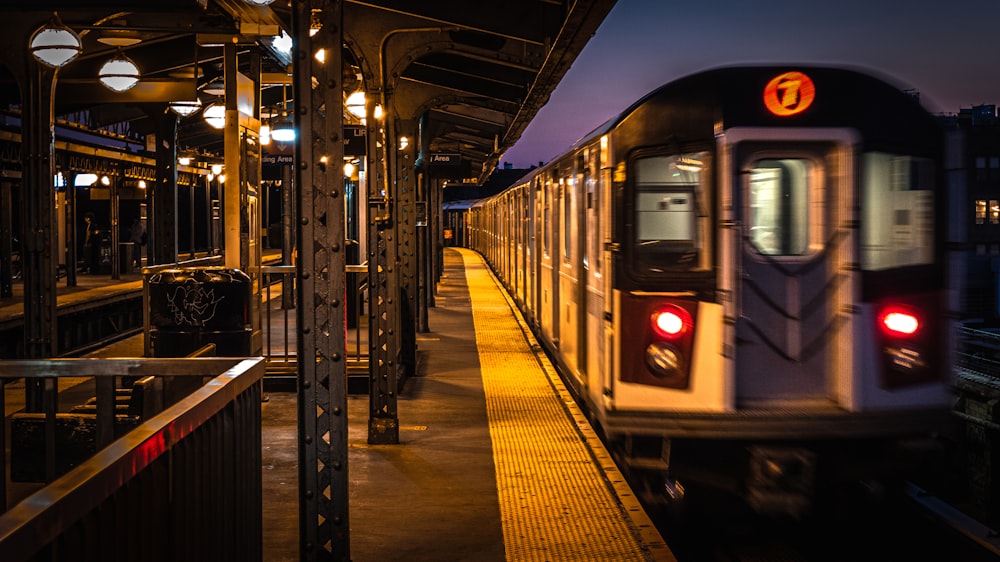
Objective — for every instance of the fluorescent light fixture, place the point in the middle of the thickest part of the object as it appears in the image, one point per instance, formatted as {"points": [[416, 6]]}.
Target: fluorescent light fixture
{"points": [[84, 180], [283, 133]]}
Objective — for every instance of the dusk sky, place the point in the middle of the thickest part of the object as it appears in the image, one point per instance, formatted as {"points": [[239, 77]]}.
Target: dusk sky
{"points": [[948, 51]]}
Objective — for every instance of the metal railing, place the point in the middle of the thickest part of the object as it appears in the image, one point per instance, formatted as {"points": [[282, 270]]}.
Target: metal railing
{"points": [[278, 320], [147, 494]]}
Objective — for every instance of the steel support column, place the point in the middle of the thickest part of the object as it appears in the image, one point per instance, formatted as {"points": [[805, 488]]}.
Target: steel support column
{"points": [[163, 199], [405, 220], [38, 219], [383, 287], [319, 153]]}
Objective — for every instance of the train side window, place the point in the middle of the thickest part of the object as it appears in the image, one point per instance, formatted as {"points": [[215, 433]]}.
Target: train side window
{"points": [[897, 225], [779, 206]]}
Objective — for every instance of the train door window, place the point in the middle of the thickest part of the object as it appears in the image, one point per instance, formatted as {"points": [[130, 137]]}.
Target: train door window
{"points": [[669, 234], [778, 213], [897, 227], [567, 214], [546, 219]]}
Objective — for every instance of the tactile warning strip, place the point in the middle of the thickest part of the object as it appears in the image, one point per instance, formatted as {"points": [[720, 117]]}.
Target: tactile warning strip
{"points": [[561, 495]]}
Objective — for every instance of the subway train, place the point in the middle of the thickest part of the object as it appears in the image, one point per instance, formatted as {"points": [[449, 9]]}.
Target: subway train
{"points": [[745, 280]]}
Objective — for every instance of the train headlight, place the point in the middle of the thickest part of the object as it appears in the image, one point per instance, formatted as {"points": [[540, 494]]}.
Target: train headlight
{"points": [[662, 359]]}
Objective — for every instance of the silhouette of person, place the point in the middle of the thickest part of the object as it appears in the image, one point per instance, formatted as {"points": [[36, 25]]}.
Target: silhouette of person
{"points": [[137, 236], [90, 244]]}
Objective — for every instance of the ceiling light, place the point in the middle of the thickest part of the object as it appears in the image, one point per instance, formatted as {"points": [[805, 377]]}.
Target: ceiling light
{"points": [[259, 2], [216, 87], [283, 132], [215, 115], [54, 44], [185, 108], [119, 74], [356, 104], [119, 37]]}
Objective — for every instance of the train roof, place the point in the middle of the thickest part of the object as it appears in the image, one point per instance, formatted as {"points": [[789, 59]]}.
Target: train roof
{"points": [[691, 107], [844, 96], [460, 205]]}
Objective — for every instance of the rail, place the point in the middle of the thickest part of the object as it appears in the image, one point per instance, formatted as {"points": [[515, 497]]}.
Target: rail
{"points": [[198, 460], [277, 316]]}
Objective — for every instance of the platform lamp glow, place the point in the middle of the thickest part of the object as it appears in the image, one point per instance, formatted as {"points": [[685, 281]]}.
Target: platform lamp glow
{"points": [[356, 104], [54, 44], [119, 74], [283, 130]]}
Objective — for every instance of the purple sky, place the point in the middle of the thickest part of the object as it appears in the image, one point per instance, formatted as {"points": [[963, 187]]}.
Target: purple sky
{"points": [[948, 51]]}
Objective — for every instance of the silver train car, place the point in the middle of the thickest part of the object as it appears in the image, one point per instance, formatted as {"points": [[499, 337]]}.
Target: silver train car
{"points": [[745, 280]]}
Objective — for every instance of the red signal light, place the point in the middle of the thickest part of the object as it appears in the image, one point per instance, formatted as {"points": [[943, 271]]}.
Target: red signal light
{"points": [[671, 321], [899, 322]]}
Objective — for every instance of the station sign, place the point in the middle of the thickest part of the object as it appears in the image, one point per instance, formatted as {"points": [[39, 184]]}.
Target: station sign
{"points": [[449, 166]]}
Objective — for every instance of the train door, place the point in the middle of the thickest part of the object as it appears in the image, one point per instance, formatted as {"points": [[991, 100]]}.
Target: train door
{"points": [[572, 236], [794, 207], [550, 260], [535, 237], [593, 337]]}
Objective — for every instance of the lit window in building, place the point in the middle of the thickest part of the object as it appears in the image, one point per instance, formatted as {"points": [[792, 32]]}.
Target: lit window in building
{"points": [[980, 211], [994, 211]]}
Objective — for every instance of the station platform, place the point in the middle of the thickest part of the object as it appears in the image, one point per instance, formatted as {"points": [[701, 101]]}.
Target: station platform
{"points": [[494, 461]]}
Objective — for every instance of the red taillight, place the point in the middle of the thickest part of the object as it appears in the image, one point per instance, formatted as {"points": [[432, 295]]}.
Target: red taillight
{"points": [[671, 321], [898, 322]]}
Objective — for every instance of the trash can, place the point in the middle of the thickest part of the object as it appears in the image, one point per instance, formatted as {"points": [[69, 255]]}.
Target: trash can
{"points": [[195, 306]]}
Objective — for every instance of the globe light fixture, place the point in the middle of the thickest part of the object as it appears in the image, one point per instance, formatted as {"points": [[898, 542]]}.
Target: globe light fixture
{"points": [[215, 115], [356, 104], [54, 44], [185, 108], [119, 74]]}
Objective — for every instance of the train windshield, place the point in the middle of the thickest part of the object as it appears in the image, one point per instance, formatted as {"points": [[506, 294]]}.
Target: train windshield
{"points": [[669, 233], [897, 227]]}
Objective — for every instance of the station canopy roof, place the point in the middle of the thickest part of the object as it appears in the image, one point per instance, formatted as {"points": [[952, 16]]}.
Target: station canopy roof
{"points": [[478, 72]]}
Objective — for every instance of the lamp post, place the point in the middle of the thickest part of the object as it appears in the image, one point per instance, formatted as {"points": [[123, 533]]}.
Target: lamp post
{"points": [[50, 47]]}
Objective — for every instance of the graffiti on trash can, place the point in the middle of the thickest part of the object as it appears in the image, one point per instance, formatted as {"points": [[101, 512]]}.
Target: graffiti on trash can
{"points": [[192, 305]]}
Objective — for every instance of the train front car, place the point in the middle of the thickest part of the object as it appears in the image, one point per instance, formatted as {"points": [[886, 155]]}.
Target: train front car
{"points": [[777, 314]]}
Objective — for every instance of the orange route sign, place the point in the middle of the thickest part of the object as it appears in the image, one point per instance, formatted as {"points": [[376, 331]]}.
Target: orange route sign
{"points": [[789, 93]]}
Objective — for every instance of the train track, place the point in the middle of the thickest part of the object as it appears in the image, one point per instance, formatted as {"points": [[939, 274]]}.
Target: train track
{"points": [[82, 326]]}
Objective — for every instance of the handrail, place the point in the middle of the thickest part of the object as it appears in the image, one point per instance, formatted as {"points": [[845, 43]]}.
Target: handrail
{"points": [[219, 415]]}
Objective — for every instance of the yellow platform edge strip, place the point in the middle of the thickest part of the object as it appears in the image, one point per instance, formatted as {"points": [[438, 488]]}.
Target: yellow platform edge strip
{"points": [[561, 494]]}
